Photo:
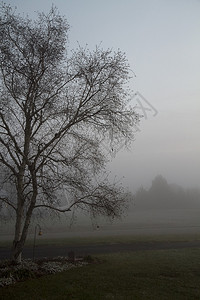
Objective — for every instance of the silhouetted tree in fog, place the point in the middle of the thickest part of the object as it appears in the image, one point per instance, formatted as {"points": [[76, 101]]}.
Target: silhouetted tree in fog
{"points": [[56, 109]]}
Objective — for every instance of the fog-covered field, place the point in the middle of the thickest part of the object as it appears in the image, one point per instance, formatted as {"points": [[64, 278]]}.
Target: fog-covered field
{"points": [[138, 223]]}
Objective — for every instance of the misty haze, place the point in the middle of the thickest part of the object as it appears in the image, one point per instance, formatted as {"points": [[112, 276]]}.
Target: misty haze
{"points": [[162, 209], [99, 149]]}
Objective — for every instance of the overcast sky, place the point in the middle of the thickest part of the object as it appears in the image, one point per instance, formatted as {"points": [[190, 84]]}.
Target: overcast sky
{"points": [[161, 39]]}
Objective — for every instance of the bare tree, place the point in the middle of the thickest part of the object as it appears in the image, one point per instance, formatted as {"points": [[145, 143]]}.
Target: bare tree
{"points": [[56, 109]]}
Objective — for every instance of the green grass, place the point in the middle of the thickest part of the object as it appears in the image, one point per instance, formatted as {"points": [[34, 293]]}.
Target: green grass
{"points": [[160, 274]]}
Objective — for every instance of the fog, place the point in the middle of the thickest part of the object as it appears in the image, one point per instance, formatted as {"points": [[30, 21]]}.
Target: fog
{"points": [[162, 209], [162, 42], [139, 225]]}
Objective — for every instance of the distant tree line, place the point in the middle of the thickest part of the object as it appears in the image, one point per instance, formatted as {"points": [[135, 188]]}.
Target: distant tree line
{"points": [[162, 195]]}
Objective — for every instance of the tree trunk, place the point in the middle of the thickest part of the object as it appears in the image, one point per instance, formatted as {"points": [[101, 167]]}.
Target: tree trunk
{"points": [[17, 252], [21, 235], [18, 243], [17, 249]]}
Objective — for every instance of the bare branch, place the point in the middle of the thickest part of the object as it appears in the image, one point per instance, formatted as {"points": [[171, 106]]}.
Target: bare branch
{"points": [[6, 201]]}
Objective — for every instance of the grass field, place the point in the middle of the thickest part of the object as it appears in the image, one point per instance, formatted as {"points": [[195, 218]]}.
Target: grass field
{"points": [[104, 239], [160, 274]]}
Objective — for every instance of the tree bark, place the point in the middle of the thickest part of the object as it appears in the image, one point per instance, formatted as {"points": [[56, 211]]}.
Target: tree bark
{"points": [[20, 236], [22, 223]]}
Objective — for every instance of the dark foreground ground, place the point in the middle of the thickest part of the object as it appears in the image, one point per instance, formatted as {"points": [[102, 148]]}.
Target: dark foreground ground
{"points": [[82, 250]]}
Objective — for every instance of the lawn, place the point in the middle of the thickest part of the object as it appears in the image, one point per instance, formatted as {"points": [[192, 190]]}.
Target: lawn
{"points": [[104, 239], [160, 274]]}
